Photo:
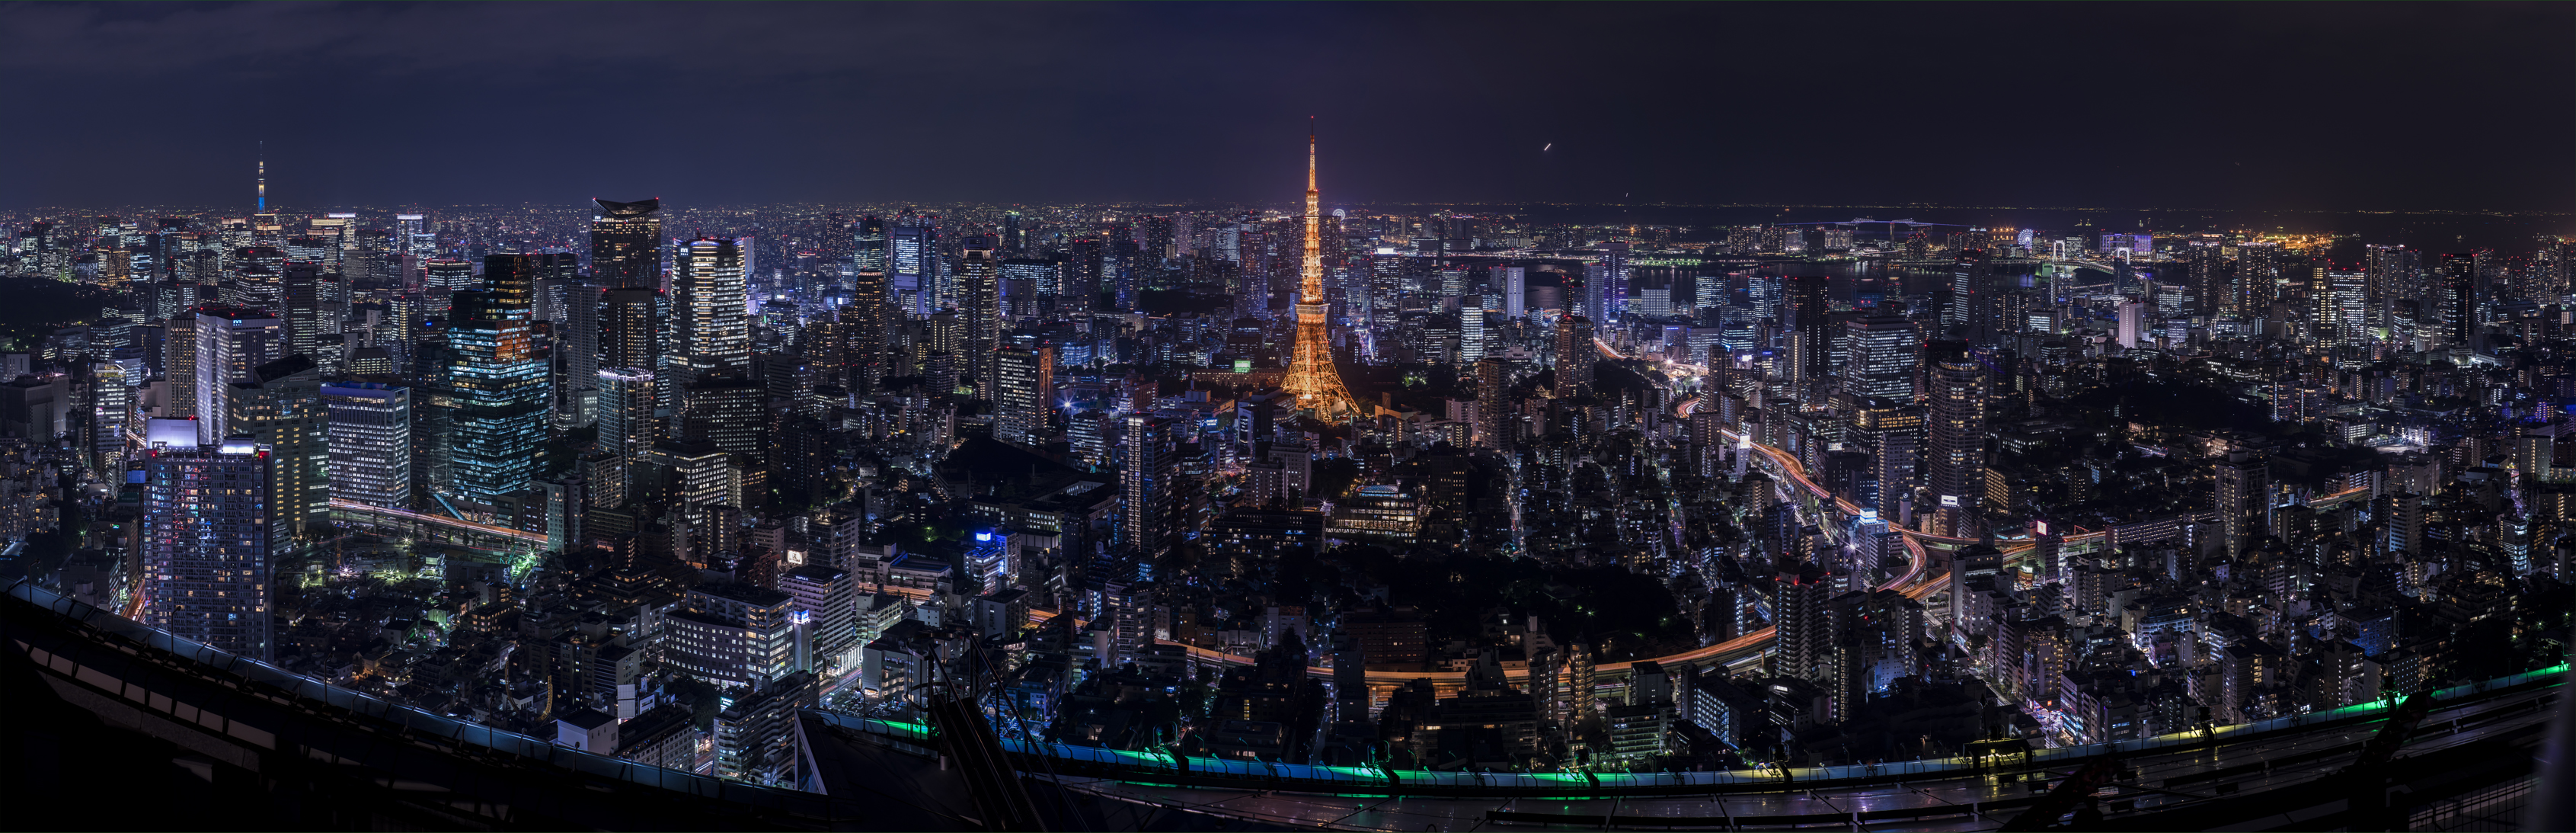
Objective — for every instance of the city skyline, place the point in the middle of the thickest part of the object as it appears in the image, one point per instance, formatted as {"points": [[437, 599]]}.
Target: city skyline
{"points": [[1169, 495]]}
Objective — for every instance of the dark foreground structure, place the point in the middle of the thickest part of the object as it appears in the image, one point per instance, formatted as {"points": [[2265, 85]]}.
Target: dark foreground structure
{"points": [[117, 726]]}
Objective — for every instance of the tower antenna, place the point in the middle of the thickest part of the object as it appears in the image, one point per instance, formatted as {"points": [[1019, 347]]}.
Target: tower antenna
{"points": [[263, 176]]}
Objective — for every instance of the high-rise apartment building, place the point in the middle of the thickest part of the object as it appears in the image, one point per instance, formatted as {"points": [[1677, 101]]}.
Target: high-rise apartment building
{"points": [[370, 443], [205, 543], [1954, 465]]}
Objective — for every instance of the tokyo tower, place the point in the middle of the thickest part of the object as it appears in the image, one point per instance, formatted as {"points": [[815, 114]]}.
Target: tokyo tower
{"points": [[1311, 376]]}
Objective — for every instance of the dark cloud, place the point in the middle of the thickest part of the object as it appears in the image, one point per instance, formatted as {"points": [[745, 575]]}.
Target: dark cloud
{"points": [[2230, 105]]}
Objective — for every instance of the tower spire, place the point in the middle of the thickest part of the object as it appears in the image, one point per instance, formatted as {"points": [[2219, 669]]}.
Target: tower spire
{"points": [[1311, 376], [263, 176]]}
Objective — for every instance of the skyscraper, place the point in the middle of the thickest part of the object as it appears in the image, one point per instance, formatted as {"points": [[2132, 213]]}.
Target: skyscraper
{"points": [[1024, 393], [310, 313], [499, 387], [1146, 475], [1494, 423], [370, 443], [626, 404], [281, 409], [200, 358], [912, 264], [1955, 465], [1311, 375], [1811, 338], [1574, 356], [868, 245], [712, 309], [979, 285], [2458, 274], [205, 552], [1885, 351], [1971, 296], [625, 243], [863, 324]]}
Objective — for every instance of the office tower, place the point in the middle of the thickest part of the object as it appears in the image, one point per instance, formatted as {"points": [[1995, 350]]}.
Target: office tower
{"points": [[710, 305], [626, 402], [1024, 397], [205, 548], [447, 274], [1892, 432], [1146, 474], [2394, 274], [370, 443], [912, 264], [576, 331], [868, 245], [2133, 315], [626, 244], [727, 412], [1495, 425], [1885, 351], [310, 315], [498, 384], [1312, 378], [2243, 492], [2458, 276], [1971, 296], [281, 409], [1811, 334], [863, 323], [979, 300], [630, 329], [731, 634], [1574, 356], [1954, 467]]}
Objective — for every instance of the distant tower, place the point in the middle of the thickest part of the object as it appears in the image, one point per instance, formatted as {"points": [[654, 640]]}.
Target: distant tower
{"points": [[1311, 377], [263, 178]]}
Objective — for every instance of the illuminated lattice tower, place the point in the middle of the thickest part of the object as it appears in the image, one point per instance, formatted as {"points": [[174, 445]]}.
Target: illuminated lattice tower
{"points": [[1311, 377]]}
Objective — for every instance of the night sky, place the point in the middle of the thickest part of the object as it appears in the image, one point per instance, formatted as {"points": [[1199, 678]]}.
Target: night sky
{"points": [[2291, 106]]}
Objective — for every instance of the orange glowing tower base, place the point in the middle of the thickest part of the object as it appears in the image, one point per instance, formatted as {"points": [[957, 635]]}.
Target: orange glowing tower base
{"points": [[1311, 377]]}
